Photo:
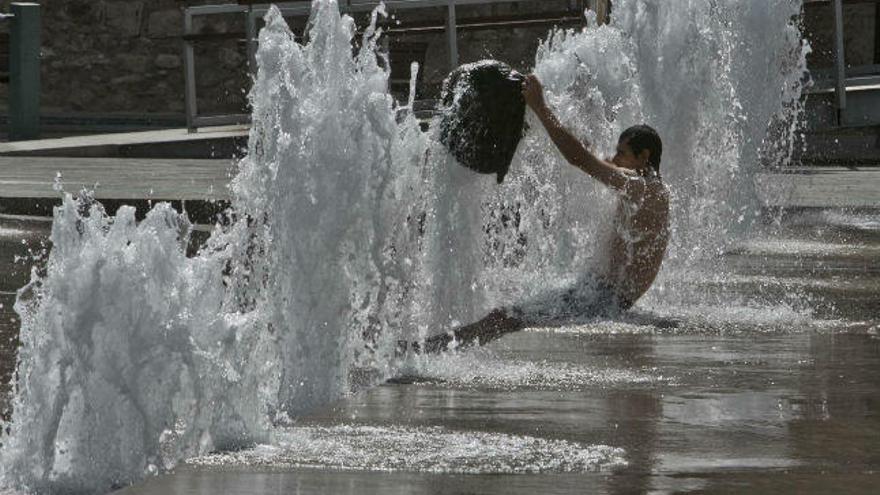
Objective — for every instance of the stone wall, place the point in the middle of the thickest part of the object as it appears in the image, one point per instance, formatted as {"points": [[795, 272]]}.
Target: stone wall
{"points": [[125, 56], [122, 56], [516, 45], [860, 42]]}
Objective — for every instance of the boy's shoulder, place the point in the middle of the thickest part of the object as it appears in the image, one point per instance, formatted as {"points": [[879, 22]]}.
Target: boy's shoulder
{"points": [[641, 186]]}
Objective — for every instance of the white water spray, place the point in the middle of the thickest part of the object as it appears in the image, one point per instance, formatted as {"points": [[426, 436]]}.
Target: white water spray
{"points": [[350, 230]]}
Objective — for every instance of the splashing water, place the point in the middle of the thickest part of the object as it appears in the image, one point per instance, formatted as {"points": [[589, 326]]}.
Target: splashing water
{"points": [[350, 230], [135, 356], [482, 370], [432, 450], [687, 69]]}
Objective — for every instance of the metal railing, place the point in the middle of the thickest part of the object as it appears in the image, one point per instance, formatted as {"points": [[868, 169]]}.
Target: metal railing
{"points": [[856, 90], [252, 13]]}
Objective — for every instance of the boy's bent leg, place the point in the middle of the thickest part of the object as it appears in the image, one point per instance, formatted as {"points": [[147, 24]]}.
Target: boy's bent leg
{"points": [[494, 325]]}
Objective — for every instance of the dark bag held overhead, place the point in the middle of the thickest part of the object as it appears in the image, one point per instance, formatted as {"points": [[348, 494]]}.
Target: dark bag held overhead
{"points": [[482, 116]]}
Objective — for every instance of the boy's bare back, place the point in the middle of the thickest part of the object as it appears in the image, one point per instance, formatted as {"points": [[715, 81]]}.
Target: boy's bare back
{"points": [[637, 243]]}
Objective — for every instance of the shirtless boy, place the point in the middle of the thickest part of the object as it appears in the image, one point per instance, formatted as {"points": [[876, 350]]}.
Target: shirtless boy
{"points": [[637, 243]]}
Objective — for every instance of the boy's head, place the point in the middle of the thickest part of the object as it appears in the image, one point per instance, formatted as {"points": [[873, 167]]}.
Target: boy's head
{"points": [[639, 148]]}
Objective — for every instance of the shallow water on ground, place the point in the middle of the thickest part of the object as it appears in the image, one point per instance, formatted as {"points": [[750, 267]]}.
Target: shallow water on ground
{"points": [[756, 396], [770, 412]]}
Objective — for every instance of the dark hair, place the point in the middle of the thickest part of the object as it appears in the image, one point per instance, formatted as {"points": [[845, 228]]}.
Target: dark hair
{"points": [[643, 137]]}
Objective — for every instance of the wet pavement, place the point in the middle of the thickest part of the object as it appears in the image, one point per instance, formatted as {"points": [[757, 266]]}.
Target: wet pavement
{"points": [[738, 397], [791, 413], [22, 239]]}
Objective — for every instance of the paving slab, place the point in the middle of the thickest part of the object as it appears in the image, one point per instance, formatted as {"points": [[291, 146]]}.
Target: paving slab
{"points": [[219, 141], [187, 179], [117, 178], [821, 187]]}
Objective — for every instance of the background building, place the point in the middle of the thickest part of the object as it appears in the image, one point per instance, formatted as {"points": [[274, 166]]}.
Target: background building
{"points": [[114, 65]]}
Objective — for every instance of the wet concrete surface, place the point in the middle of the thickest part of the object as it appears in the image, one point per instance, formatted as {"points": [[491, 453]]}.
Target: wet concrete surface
{"points": [[795, 413], [730, 401], [22, 241]]}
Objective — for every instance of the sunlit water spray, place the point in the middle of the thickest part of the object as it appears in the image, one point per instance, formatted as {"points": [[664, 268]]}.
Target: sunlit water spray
{"points": [[351, 229]]}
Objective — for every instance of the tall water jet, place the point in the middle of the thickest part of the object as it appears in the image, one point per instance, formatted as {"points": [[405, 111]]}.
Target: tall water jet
{"points": [[690, 70], [337, 179]]}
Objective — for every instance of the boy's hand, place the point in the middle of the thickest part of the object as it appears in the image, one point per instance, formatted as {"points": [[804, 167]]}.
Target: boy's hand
{"points": [[533, 92]]}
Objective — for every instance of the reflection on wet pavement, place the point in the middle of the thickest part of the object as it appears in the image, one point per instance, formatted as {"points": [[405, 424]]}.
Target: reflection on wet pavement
{"points": [[771, 413], [758, 399]]}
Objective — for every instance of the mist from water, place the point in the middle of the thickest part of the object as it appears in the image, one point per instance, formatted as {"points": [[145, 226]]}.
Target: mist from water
{"points": [[350, 228]]}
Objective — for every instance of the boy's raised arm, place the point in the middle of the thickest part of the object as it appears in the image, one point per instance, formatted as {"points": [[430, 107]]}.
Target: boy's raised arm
{"points": [[571, 148]]}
